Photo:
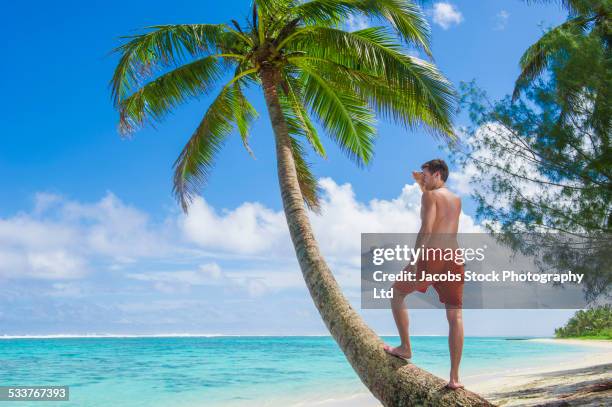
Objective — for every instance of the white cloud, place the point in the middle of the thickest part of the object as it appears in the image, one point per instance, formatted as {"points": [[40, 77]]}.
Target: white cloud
{"points": [[109, 264], [501, 20], [60, 238], [36, 248], [203, 275], [446, 14], [459, 181], [44, 201], [252, 229], [252, 281], [249, 229], [115, 229], [242, 250], [55, 264]]}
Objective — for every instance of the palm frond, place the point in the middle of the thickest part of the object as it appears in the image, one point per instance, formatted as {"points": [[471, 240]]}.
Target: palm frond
{"points": [[574, 7], [405, 17], [344, 115], [311, 191], [398, 106], [276, 13], [372, 51], [166, 45], [292, 102], [193, 166], [155, 99], [244, 115]]}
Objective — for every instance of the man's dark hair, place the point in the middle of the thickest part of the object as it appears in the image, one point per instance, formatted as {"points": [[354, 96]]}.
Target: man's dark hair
{"points": [[437, 165]]}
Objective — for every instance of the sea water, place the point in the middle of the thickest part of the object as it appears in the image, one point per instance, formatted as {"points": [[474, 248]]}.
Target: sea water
{"points": [[232, 370]]}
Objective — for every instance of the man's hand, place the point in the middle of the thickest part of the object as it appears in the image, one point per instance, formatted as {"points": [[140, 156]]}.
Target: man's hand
{"points": [[418, 177]]}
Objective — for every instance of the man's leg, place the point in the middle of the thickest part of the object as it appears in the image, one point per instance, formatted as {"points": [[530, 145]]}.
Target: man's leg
{"points": [[455, 343], [400, 314]]}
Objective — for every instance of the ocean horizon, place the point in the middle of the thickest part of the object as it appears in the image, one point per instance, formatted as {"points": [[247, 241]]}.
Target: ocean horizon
{"points": [[215, 335], [193, 370]]}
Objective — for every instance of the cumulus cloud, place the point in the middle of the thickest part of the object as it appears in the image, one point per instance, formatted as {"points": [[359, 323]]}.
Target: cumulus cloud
{"points": [[61, 238], [344, 218], [245, 249], [115, 229], [109, 264], [251, 228], [446, 15], [55, 264]]}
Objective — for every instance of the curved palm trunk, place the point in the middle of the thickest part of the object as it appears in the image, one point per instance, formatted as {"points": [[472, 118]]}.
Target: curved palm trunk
{"points": [[391, 380]]}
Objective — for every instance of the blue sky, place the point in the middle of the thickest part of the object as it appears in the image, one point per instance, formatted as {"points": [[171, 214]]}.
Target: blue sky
{"points": [[91, 239]]}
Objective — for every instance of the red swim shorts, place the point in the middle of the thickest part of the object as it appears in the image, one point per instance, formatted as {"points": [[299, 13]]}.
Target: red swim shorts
{"points": [[449, 292]]}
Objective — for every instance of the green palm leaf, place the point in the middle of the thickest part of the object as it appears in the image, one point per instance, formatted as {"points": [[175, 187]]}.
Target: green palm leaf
{"points": [[158, 97], [309, 187], [404, 16], [345, 116], [429, 97], [390, 103], [292, 102], [244, 115], [193, 166], [300, 126], [166, 45], [575, 7]]}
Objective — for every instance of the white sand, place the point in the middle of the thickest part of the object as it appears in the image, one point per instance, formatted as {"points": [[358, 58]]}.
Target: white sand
{"points": [[364, 399], [571, 381], [507, 387]]}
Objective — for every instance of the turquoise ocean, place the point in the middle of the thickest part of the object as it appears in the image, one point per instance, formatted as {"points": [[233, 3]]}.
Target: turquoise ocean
{"points": [[232, 370]]}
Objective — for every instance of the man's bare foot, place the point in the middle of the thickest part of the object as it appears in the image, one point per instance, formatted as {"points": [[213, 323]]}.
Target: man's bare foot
{"points": [[398, 351], [454, 385]]}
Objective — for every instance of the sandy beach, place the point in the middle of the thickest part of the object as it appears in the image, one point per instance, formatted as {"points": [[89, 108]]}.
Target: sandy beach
{"points": [[583, 381]]}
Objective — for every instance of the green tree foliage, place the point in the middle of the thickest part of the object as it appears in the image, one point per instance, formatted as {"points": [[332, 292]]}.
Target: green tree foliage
{"points": [[540, 161], [588, 23], [595, 322]]}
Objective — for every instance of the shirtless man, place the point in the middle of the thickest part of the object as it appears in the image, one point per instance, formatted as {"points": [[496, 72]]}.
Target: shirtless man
{"points": [[440, 211]]}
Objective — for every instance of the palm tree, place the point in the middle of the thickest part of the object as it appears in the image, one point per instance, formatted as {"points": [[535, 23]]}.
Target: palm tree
{"points": [[593, 321], [308, 67]]}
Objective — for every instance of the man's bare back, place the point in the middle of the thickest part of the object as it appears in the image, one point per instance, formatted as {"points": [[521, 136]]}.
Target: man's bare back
{"points": [[440, 211], [447, 210]]}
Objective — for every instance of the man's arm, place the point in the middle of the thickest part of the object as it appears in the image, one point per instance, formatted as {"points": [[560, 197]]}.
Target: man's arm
{"points": [[428, 217]]}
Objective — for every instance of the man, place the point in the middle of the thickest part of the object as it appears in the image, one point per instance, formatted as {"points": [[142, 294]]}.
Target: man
{"points": [[440, 210]]}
